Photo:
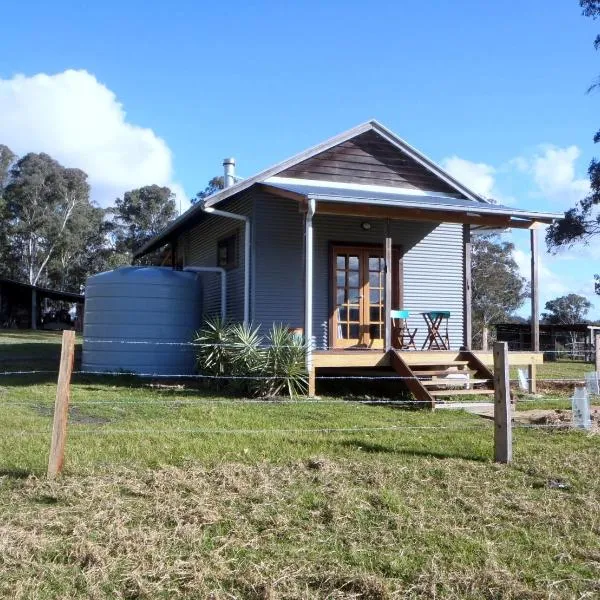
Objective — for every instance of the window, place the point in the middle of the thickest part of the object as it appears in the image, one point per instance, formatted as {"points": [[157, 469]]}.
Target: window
{"points": [[227, 251]]}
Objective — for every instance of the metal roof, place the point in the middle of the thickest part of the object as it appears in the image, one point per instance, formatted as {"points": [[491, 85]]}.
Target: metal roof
{"points": [[45, 292], [402, 198], [194, 212]]}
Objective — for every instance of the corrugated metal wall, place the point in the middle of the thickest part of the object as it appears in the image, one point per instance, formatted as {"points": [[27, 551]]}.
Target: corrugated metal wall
{"points": [[433, 266], [278, 262], [200, 244]]}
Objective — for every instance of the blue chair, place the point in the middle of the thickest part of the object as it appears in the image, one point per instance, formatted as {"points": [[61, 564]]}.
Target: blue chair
{"points": [[401, 334]]}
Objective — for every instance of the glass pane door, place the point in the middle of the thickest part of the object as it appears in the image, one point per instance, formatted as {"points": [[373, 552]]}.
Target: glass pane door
{"points": [[358, 317], [376, 285], [348, 297]]}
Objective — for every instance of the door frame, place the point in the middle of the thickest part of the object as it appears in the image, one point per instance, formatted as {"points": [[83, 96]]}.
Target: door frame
{"points": [[397, 283]]}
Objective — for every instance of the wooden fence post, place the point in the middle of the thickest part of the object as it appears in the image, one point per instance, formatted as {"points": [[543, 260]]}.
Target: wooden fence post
{"points": [[597, 346], [532, 378], [502, 405], [61, 405]]}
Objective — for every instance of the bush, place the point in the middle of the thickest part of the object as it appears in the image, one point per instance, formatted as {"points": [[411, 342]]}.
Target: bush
{"points": [[273, 366]]}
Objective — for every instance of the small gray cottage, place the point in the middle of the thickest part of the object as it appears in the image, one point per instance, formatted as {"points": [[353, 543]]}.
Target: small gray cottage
{"points": [[361, 243]]}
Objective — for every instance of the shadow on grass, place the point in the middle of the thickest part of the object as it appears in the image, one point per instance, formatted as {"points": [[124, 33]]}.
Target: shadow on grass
{"points": [[374, 448], [30, 356], [15, 473]]}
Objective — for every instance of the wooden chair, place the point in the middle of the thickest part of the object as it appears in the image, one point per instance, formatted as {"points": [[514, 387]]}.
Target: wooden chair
{"points": [[403, 337]]}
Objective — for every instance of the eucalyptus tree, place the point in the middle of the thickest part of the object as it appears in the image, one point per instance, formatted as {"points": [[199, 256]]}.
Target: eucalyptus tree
{"points": [[498, 288]]}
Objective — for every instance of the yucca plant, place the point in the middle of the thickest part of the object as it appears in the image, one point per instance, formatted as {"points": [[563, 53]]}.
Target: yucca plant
{"points": [[246, 358], [271, 369], [213, 352], [284, 364]]}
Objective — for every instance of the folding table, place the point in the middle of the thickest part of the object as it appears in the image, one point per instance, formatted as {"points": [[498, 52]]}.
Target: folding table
{"points": [[434, 319]]}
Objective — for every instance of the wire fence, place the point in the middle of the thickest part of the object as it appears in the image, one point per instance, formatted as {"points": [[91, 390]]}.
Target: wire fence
{"points": [[454, 380]]}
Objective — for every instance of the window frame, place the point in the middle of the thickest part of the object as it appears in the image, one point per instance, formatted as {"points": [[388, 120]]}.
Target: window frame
{"points": [[231, 244]]}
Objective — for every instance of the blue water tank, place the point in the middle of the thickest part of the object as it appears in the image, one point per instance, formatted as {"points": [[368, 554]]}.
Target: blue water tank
{"points": [[144, 305]]}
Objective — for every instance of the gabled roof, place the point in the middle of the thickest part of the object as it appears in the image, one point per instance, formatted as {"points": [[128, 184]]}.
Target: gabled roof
{"points": [[195, 212]]}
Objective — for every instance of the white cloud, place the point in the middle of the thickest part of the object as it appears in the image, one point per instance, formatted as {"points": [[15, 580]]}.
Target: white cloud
{"points": [[477, 176], [80, 122], [551, 284], [554, 284], [554, 175]]}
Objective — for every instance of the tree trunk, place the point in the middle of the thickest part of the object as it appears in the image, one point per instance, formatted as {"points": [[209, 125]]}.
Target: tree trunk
{"points": [[484, 338]]}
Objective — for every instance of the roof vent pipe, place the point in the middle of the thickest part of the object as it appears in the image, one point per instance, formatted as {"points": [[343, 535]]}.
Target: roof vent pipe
{"points": [[228, 172]]}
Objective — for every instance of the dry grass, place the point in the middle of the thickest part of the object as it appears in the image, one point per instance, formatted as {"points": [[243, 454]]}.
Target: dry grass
{"points": [[379, 526]]}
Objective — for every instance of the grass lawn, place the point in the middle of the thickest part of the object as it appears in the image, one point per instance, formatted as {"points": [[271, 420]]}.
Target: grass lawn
{"points": [[165, 497]]}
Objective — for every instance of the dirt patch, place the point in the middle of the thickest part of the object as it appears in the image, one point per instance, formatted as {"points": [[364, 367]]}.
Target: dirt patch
{"points": [[556, 417], [75, 415], [541, 416]]}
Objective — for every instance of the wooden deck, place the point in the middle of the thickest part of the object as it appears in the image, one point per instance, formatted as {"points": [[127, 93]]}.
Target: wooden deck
{"points": [[379, 358], [428, 375]]}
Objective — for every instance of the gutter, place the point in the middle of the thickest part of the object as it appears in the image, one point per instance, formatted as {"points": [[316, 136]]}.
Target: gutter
{"points": [[486, 210]]}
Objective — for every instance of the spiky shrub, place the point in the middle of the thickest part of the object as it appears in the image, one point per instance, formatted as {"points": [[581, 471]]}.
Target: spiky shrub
{"points": [[270, 367], [225, 350], [213, 352], [284, 364]]}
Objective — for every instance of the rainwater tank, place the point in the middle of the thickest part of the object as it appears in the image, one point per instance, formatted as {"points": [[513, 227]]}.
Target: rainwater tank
{"points": [[139, 320]]}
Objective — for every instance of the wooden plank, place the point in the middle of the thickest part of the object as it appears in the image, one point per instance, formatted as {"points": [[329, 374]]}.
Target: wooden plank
{"points": [[481, 369], [483, 392], [532, 379], [417, 389], [61, 405], [351, 358], [387, 325], [312, 387], [334, 171], [468, 287], [438, 372], [376, 358], [410, 214], [396, 182], [535, 298], [451, 381], [515, 359], [535, 308], [502, 405], [369, 156]]}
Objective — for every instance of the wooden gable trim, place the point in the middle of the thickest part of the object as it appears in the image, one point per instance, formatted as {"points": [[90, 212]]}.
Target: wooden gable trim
{"points": [[370, 159]]}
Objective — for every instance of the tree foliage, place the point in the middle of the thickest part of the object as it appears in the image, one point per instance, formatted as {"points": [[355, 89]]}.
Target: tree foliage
{"points": [[41, 200], [52, 234], [498, 288], [140, 215], [214, 185], [567, 310], [582, 222]]}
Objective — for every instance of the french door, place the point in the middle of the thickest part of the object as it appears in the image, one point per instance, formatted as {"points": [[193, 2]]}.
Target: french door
{"points": [[358, 294]]}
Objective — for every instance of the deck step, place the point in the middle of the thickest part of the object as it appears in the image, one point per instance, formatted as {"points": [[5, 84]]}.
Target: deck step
{"points": [[437, 372], [452, 381], [439, 362], [479, 392]]}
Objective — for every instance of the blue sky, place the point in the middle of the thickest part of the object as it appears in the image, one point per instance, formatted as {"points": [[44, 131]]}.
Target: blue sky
{"points": [[138, 92]]}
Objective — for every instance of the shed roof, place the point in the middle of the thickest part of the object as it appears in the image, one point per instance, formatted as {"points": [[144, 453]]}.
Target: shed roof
{"points": [[44, 292]]}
